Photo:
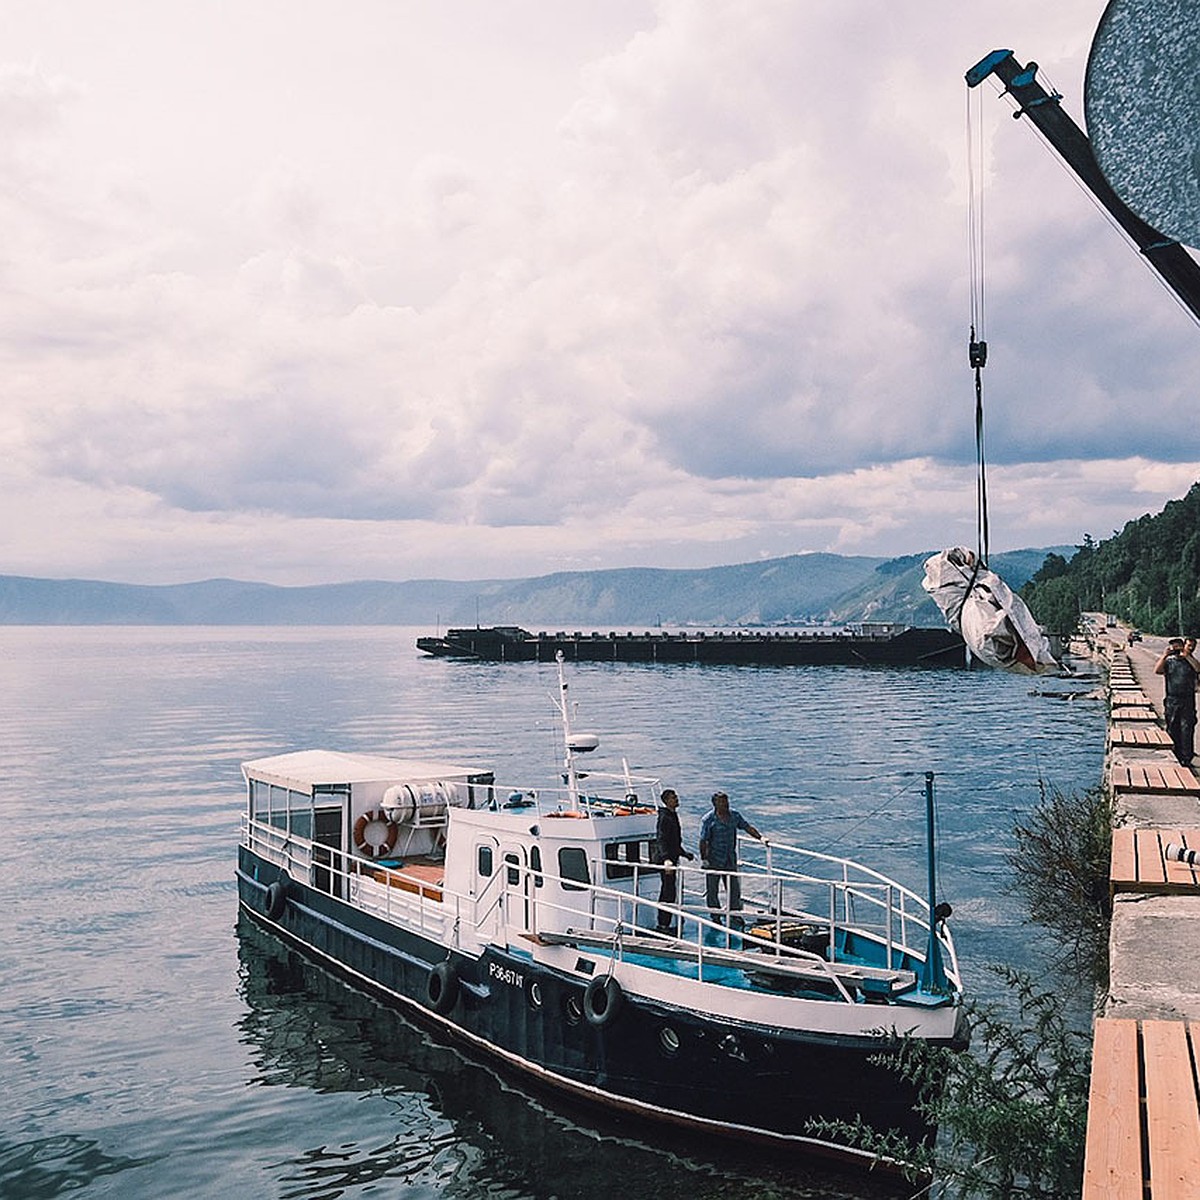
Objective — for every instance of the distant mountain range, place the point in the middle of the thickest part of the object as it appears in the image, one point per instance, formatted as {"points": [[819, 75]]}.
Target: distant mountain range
{"points": [[798, 589]]}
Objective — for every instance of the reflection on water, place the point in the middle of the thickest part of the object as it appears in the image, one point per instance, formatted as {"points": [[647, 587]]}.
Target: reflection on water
{"points": [[52, 1166], [455, 1125]]}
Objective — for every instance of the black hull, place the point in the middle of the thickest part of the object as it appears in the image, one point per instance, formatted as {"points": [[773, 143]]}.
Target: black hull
{"points": [[917, 647], [758, 1084]]}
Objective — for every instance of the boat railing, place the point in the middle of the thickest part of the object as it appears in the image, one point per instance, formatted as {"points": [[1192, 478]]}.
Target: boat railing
{"points": [[398, 898], [837, 904], [613, 925]]}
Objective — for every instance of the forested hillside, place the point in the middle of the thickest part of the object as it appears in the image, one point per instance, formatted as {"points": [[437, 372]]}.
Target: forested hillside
{"points": [[1148, 574]]}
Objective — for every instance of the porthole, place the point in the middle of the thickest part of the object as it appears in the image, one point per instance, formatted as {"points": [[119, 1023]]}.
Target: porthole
{"points": [[533, 994], [573, 1010], [668, 1041]]}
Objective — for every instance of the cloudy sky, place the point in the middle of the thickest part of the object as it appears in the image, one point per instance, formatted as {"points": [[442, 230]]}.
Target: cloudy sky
{"points": [[314, 290]]}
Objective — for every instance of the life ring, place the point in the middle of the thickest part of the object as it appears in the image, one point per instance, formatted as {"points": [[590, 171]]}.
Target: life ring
{"points": [[277, 897], [602, 1001], [441, 988], [375, 846]]}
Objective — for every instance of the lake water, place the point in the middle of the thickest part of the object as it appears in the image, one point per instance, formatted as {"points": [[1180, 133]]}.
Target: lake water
{"points": [[151, 1046]]}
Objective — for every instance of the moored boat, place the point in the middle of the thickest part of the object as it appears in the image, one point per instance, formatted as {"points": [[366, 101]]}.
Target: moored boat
{"points": [[526, 921]]}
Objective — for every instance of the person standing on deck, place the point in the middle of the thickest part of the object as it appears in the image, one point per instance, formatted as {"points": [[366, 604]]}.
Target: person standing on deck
{"points": [[718, 853], [670, 850], [1182, 673]]}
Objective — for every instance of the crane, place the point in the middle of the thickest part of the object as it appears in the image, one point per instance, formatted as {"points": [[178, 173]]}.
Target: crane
{"points": [[1168, 257]]}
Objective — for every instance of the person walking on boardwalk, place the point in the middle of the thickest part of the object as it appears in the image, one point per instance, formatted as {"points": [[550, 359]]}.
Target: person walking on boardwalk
{"points": [[670, 850], [718, 853], [1182, 673]]}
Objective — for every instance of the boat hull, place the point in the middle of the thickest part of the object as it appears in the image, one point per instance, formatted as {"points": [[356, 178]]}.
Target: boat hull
{"points": [[661, 1061]]}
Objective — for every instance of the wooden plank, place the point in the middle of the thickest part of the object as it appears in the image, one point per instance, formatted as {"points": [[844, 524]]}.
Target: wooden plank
{"points": [[1129, 698], [1172, 1118], [1151, 870], [1138, 861], [1122, 870], [1112, 1162], [1151, 736], [1154, 779], [1135, 713]]}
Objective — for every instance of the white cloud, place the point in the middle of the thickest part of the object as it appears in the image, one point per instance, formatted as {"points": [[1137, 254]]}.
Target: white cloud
{"points": [[702, 298]]}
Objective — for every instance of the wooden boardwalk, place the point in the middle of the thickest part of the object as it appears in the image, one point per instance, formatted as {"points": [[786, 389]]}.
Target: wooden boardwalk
{"points": [[1143, 1135], [1153, 779], [1148, 736], [1143, 1132], [1140, 864]]}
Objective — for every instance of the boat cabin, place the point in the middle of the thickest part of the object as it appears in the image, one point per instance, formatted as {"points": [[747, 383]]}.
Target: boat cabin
{"points": [[357, 826]]}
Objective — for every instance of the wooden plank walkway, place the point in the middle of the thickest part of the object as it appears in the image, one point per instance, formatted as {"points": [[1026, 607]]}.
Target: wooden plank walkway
{"points": [[1172, 779], [1134, 712], [1143, 1134], [1129, 698], [1150, 737], [1139, 864]]}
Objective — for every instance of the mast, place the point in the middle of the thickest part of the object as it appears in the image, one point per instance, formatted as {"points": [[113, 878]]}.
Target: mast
{"points": [[933, 974], [573, 743], [1176, 267]]}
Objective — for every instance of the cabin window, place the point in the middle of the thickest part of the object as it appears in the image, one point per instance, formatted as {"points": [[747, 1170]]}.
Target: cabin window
{"points": [[279, 807], [572, 865], [621, 858], [260, 799], [300, 820], [483, 859], [535, 864], [513, 869]]}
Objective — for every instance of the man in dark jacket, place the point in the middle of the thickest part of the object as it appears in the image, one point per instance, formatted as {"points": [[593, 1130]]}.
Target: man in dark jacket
{"points": [[1179, 703], [670, 850]]}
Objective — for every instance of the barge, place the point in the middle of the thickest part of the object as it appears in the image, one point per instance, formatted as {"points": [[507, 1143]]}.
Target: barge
{"points": [[878, 644]]}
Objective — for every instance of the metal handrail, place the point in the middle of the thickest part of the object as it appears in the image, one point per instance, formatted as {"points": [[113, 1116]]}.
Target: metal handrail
{"points": [[890, 899]]}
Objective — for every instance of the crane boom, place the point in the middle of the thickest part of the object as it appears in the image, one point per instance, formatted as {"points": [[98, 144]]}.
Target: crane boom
{"points": [[1174, 264]]}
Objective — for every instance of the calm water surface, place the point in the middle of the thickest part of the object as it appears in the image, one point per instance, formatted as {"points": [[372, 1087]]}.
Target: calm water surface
{"points": [[152, 1046]]}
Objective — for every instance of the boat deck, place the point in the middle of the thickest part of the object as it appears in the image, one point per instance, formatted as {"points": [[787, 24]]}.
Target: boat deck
{"points": [[423, 878]]}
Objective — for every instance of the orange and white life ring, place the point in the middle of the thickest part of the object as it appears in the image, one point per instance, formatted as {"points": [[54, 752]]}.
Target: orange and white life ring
{"points": [[374, 835]]}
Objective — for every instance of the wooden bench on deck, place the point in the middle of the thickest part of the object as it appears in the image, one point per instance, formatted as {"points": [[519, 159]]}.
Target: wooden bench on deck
{"points": [[1169, 779], [1138, 863], [422, 879], [1143, 1132]]}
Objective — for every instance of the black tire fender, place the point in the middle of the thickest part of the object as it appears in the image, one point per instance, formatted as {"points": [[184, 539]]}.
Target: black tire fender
{"points": [[602, 999], [277, 897], [441, 988]]}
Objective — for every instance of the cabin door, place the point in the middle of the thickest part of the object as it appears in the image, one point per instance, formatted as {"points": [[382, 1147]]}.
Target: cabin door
{"points": [[327, 850], [517, 888]]}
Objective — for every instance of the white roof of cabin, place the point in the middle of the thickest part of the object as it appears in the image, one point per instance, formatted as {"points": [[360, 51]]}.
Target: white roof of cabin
{"points": [[304, 769]]}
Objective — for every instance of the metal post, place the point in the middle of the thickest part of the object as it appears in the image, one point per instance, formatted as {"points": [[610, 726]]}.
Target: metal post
{"points": [[933, 974]]}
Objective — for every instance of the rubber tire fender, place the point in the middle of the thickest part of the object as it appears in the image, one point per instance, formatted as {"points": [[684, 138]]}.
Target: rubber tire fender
{"points": [[602, 999], [277, 898], [441, 988]]}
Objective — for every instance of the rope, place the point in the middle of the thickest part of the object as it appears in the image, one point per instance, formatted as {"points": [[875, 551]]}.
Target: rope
{"points": [[977, 349]]}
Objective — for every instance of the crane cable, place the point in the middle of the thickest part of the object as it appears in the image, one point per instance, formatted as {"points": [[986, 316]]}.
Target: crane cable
{"points": [[977, 347]]}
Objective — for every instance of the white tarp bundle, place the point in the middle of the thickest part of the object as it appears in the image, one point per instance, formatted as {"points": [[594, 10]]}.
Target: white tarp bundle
{"points": [[996, 624]]}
